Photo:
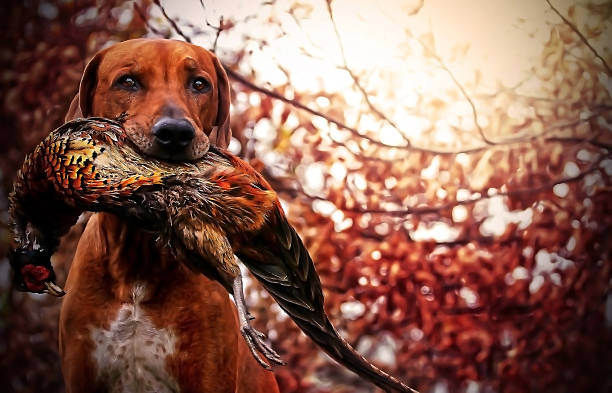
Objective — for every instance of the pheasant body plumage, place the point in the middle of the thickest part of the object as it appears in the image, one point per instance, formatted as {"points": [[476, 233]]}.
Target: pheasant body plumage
{"points": [[205, 212]]}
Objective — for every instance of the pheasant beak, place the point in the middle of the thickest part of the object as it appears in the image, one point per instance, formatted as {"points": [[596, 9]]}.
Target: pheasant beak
{"points": [[53, 289]]}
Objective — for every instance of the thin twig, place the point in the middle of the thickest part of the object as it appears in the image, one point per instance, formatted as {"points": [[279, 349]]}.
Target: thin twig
{"points": [[582, 37], [218, 30], [442, 207], [144, 18], [172, 22], [511, 141], [296, 104], [555, 126], [443, 65], [304, 31], [518, 191], [364, 93], [270, 93], [252, 86]]}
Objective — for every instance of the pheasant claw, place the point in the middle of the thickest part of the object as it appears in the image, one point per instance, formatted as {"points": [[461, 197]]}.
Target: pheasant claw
{"points": [[255, 339], [53, 289]]}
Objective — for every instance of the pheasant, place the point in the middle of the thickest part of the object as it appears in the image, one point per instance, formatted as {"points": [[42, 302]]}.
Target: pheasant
{"points": [[206, 212]]}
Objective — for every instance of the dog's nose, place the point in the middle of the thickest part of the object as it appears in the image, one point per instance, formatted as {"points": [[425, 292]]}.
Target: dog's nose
{"points": [[173, 135]]}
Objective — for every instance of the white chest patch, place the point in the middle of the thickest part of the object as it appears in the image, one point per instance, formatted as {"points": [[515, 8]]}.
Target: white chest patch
{"points": [[131, 354]]}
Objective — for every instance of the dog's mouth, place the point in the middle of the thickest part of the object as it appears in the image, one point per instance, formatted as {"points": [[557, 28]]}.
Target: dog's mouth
{"points": [[169, 140], [173, 156]]}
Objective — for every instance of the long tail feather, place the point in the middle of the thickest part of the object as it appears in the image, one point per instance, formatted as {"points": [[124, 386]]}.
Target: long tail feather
{"points": [[343, 353], [286, 270]]}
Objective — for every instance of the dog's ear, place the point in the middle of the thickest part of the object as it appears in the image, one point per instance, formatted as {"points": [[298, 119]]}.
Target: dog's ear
{"points": [[74, 111], [221, 133], [82, 101]]}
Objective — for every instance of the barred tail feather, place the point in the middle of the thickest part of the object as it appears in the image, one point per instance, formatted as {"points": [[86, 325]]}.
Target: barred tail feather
{"points": [[280, 261], [343, 353]]}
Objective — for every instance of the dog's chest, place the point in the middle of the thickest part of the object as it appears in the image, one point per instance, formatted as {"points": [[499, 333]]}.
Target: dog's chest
{"points": [[130, 354]]}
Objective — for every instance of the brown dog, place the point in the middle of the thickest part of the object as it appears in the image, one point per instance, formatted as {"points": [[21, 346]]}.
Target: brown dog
{"points": [[134, 319]]}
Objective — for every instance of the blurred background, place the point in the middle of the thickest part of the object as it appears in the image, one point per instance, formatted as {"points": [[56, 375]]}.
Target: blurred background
{"points": [[448, 165]]}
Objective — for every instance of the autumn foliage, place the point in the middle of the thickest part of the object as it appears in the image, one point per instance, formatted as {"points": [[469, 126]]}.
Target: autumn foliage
{"points": [[473, 256]]}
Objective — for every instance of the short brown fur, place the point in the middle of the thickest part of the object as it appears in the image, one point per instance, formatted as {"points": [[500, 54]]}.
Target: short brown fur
{"points": [[210, 354]]}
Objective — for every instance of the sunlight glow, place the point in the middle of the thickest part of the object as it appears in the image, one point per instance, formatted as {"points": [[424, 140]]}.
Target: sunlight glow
{"points": [[391, 136], [499, 216], [314, 181], [324, 208], [437, 231], [571, 169], [390, 60]]}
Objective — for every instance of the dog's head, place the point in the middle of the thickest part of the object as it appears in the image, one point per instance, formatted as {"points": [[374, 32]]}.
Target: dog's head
{"points": [[175, 95]]}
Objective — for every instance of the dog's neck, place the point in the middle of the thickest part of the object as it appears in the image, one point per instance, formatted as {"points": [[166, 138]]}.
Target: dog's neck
{"points": [[134, 258]]}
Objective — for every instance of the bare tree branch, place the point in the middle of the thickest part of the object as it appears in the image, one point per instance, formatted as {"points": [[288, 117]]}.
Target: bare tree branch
{"points": [[218, 30], [296, 104], [582, 37], [355, 79], [531, 136], [421, 210], [518, 191], [252, 86], [172, 22], [443, 65], [141, 15], [306, 34]]}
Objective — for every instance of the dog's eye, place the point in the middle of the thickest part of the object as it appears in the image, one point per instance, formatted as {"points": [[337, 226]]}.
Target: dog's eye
{"points": [[200, 85], [127, 82]]}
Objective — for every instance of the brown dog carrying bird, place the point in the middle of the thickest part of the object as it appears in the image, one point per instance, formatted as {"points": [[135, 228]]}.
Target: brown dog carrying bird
{"points": [[205, 212]]}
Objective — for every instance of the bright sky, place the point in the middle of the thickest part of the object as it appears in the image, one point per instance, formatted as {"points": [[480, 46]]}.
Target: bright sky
{"points": [[503, 36], [501, 39]]}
